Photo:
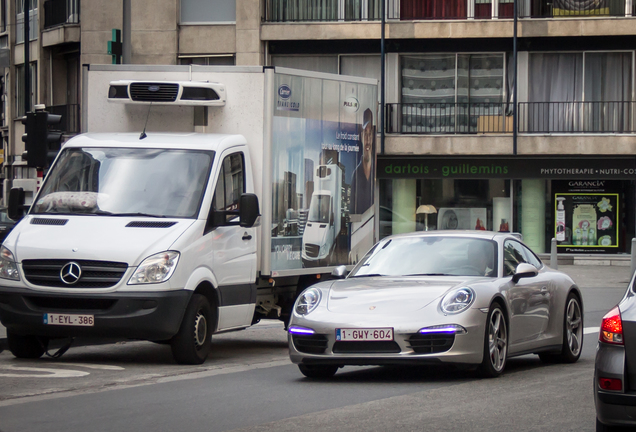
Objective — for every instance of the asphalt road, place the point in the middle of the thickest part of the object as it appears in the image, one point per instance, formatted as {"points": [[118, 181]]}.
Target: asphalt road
{"points": [[248, 384]]}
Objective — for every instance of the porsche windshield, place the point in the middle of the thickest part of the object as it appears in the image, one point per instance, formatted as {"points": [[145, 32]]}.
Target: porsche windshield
{"points": [[125, 182], [430, 256]]}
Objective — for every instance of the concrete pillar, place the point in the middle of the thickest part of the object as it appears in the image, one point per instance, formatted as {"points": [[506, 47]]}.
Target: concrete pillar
{"points": [[404, 191], [533, 214]]}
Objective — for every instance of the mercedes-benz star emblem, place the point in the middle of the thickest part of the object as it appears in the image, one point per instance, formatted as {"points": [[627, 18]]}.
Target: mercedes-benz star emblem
{"points": [[70, 273]]}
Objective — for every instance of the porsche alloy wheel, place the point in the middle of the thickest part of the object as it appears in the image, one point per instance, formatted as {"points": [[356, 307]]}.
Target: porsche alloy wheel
{"points": [[495, 343]]}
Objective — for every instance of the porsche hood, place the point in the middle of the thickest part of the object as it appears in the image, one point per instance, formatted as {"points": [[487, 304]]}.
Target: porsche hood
{"points": [[391, 296]]}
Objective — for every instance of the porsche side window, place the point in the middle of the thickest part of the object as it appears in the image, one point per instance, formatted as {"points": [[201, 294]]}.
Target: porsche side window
{"points": [[513, 256], [532, 258]]}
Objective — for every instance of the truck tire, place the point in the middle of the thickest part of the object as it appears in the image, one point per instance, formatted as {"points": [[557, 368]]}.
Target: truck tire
{"points": [[193, 343], [26, 347]]}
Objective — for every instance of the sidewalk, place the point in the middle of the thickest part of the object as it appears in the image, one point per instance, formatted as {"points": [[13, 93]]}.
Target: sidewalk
{"points": [[585, 274]]}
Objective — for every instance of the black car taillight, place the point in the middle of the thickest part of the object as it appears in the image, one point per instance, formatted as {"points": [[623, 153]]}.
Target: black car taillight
{"points": [[612, 328]]}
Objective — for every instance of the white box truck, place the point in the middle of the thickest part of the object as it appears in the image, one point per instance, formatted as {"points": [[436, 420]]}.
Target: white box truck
{"points": [[175, 215]]}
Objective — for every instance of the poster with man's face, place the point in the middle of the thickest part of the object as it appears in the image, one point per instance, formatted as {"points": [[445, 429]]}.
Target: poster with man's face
{"points": [[323, 169]]}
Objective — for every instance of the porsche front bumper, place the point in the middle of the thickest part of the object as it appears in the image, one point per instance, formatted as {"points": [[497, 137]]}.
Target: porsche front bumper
{"points": [[409, 346]]}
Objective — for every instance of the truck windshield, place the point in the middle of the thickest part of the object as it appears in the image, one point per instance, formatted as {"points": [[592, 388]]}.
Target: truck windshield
{"points": [[320, 208], [126, 182]]}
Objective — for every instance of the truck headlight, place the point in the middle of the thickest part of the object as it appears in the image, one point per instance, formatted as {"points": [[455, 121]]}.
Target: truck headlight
{"points": [[8, 267], [155, 269], [307, 301], [457, 300]]}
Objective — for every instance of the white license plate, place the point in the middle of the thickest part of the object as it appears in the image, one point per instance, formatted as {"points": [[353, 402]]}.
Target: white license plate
{"points": [[364, 334], [70, 320]]}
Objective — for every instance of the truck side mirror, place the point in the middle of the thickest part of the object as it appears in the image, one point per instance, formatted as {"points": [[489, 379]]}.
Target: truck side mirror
{"points": [[248, 210], [15, 210]]}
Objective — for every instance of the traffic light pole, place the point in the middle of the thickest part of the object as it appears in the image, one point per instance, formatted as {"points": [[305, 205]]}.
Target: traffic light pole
{"points": [[27, 81]]}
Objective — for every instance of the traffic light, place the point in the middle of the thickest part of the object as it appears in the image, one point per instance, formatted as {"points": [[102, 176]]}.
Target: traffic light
{"points": [[41, 144]]}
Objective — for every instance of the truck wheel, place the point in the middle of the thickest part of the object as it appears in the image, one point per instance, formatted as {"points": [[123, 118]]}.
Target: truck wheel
{"points": [[26, 347], [193, 343], [318, 371]]}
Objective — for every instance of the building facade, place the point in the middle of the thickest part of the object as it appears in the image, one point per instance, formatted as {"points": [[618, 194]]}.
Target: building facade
{"points": [[448, 160]]}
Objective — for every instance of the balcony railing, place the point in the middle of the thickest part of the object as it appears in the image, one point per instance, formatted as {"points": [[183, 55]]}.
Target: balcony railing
{"points": [[577, 117], [449, 118], [70, 117], [405, 10], [58, 12], [533, 118]]}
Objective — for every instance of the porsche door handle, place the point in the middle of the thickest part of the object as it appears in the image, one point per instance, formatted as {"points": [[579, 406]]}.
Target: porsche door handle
{"points": [[247, 236]]}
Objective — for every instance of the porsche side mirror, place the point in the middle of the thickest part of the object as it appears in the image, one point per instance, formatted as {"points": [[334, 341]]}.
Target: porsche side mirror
{"points": [[339, 272], [525, 270]]}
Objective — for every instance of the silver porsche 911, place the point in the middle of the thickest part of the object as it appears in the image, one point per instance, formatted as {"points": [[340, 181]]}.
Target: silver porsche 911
{"points": [[471, 298]]}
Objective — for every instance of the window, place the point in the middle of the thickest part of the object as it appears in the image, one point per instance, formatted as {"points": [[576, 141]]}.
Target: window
{"points": [[513, 256], [316, 63], [19, 90], [451, 93], [214, 60], [579, 92], [19, 19], [229, 188], [208, 11], [3, 16]]}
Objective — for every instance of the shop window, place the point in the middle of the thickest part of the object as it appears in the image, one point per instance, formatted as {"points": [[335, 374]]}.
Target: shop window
{"points": [[408, 205], [208, 11]]}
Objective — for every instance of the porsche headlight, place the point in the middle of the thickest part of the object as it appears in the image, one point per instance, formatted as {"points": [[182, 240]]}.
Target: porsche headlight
{"points": [[155, 269], [8, 267], [458, 300], [307, 301]]}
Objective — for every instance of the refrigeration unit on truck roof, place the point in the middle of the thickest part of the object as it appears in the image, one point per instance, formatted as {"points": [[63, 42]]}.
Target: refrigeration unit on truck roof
{"points": [[167, 92]]}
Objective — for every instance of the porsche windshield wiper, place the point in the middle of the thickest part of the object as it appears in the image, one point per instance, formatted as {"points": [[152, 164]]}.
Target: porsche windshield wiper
{"points": [[368, 275], [430, 274]]}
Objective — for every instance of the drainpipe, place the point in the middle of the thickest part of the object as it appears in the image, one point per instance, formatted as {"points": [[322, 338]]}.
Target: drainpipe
{"points": [[514, 88], [382, 76], [27, 81], [126, 48]]}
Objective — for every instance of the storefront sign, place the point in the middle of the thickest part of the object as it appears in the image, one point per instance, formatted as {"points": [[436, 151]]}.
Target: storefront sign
{"points": [[584, 168]]}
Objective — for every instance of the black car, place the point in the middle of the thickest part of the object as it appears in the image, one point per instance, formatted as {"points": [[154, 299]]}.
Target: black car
{"points": [[615, 367], [6, 224]]}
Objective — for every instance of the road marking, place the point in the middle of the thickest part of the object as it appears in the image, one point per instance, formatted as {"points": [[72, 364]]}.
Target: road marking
{"points": [[590, 330], [93, 366], [40, 372]]}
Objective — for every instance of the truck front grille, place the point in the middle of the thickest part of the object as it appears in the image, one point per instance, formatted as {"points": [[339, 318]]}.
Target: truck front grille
{"points": [[312, 250], [154, 92], [94, 274]]}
